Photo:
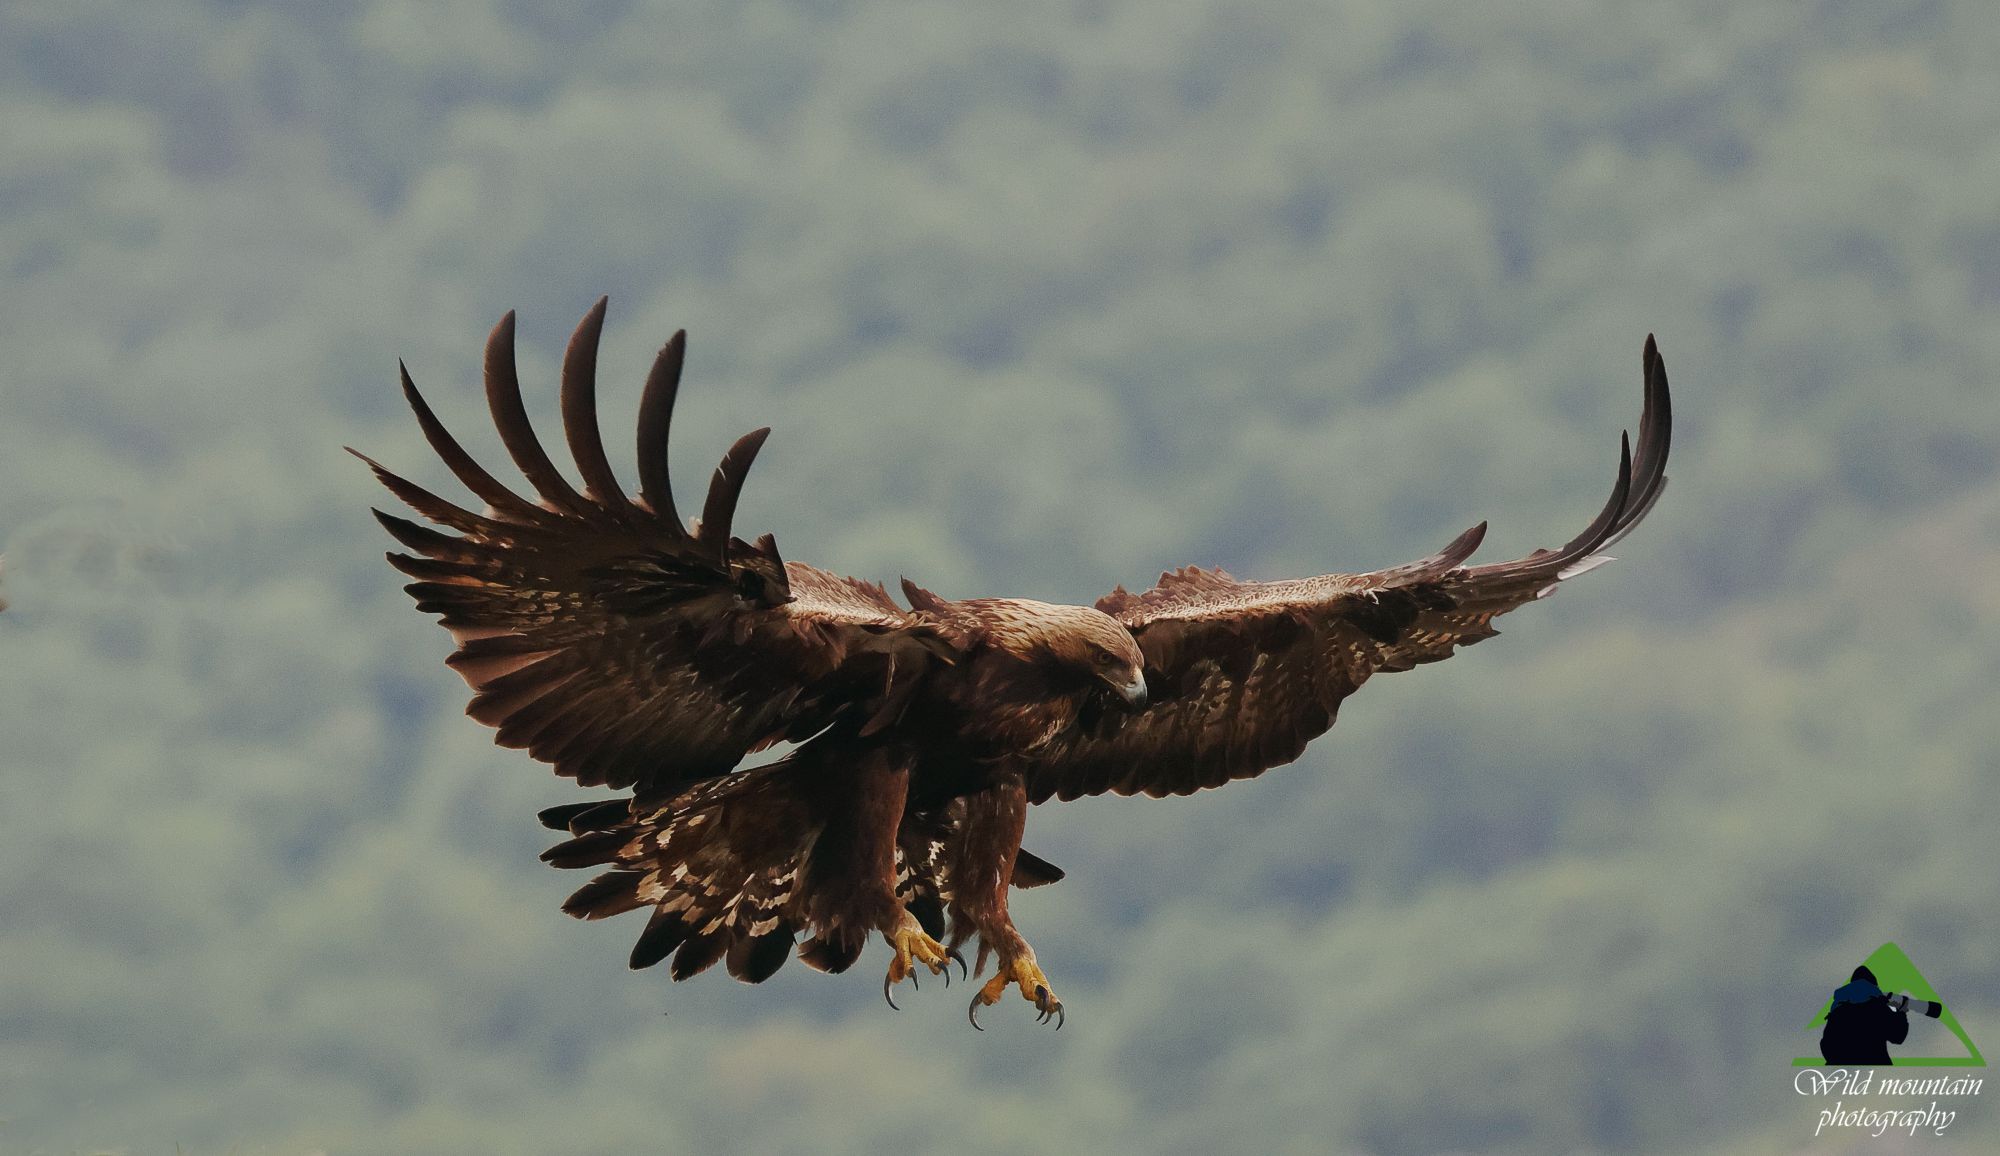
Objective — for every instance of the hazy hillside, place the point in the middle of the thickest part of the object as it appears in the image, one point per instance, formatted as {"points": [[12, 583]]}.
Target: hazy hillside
{"points": [[1039, 299]]}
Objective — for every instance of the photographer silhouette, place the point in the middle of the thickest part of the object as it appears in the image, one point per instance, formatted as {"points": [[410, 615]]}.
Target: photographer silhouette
{"points": [[1862, 1023]]}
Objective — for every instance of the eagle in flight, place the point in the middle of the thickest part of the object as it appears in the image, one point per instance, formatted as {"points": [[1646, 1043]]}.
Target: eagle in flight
{"points": [[640, 651]]}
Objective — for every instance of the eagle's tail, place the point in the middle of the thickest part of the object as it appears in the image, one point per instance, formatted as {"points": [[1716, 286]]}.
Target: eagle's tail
{"points": [[727, 868], [720, 865]]}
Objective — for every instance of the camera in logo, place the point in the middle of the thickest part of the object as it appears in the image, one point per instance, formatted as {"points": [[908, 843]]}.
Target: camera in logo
{"points": [[1903, 1002]]}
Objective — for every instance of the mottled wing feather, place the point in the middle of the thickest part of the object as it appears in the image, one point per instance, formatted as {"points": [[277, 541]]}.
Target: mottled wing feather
{"points": [[606, 638], [1242, 675]]}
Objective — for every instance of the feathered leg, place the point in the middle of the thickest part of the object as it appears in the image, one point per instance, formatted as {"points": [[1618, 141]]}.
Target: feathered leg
{"points": [[981, 864], [851, 872]]}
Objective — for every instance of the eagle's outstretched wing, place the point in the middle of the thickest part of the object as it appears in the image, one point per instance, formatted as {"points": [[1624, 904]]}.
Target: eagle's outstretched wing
{"points": [[609, 639], [1242, 675]]}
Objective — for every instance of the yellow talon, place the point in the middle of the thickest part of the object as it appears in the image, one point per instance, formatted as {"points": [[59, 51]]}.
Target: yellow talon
{"points": [[1027, 975], [913, 946]]}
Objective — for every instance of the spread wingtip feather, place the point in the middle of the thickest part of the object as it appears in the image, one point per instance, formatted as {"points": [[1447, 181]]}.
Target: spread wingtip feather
{"points": [[656, 419], [579, 411]]}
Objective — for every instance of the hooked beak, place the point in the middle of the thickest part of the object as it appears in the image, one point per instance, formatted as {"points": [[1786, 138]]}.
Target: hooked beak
{"points": [[1133, 693]]}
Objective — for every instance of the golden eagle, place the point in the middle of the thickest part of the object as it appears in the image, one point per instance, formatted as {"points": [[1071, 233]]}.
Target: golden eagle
{"points": [[636, 650]]}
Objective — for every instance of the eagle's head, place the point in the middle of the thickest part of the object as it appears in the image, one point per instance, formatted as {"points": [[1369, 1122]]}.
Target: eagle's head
{"points": [[1092, 648]]}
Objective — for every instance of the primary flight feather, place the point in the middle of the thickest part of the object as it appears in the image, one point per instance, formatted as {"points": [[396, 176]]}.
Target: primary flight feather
{"points": [[634, 650]]}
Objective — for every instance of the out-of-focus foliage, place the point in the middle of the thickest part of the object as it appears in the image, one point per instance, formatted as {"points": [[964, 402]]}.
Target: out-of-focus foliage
{"points": [[1039, 298]]}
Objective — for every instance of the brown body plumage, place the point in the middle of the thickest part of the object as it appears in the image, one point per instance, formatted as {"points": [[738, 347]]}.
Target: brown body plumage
{"points": [[633, 650]]}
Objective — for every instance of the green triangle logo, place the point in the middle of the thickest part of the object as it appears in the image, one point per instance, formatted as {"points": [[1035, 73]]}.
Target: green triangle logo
{"points": [[1895, 973]]}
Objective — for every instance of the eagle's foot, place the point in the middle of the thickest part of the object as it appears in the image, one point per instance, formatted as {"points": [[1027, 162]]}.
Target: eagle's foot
{"points": [[915, 946], [1021, 971]]}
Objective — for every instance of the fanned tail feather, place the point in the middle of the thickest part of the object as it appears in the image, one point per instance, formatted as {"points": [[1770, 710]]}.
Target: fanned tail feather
{"points": [[720, 866]]}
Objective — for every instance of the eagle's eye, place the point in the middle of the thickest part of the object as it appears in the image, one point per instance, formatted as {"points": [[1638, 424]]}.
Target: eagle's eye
{"points": [[1107, 660]]}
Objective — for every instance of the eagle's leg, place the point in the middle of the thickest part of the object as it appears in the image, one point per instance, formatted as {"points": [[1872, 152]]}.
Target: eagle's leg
{"points": [[853, 863], [982, 869]]}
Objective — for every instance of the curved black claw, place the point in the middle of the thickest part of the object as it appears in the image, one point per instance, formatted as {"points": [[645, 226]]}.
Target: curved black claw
{"points": [[1050, 1007], [885, 993], [964, 972], [972, 1014]]}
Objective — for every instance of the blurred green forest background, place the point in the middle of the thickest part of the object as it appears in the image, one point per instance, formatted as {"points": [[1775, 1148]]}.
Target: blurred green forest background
{"points": [[1040, 298]]}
